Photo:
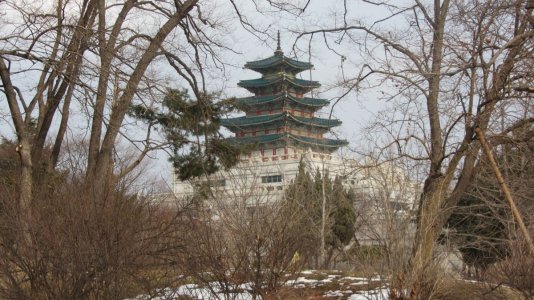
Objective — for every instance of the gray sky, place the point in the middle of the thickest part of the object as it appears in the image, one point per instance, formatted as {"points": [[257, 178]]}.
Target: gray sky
{"points": [[355, 110]]}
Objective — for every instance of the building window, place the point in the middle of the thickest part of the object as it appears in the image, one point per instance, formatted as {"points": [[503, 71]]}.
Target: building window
{"points": [[271, 179]]}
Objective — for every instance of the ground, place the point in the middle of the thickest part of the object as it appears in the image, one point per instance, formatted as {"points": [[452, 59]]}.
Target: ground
{"points": [[334, 285], [311, 284]]}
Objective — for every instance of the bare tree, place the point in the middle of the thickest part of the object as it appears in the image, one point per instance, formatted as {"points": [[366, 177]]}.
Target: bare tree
{"points": [[100, 58], [385, 206], [82, 247], [242, 240], [447, 66]]}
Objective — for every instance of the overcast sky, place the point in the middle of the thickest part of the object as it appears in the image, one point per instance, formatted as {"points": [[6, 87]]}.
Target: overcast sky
{"points": [[355, 110]]}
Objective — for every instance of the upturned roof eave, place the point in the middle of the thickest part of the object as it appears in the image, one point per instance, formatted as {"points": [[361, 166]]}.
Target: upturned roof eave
{"points": [[260, 82], [276, 60], [330, 122], [313, 122], [330, 143], [276, 117], [256, 101], [317, 142]]}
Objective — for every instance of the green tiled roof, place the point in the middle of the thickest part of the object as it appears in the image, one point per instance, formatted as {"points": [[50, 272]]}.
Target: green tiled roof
{"points": [[256, 139], [262, 82], [320, 142], [322, 122], [259, 100], [247, 121], [275, 60], [237, 123], [330, 143]]}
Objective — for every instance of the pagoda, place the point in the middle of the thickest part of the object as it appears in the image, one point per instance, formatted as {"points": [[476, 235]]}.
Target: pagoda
{"points": [[279, 120]]}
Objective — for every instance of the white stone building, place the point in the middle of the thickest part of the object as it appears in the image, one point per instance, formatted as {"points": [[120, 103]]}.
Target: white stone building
{"points": [[281, 127]]}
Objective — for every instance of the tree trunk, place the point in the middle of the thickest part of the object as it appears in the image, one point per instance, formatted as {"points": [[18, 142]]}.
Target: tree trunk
{"points": [[100, 161], [428, 230], [322, 257], [434, 189], [24, 151], [26, 189]]}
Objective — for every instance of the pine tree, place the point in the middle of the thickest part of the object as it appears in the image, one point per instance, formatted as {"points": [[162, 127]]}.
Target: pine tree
{"points": [[306, 194], [344, 215], [191, 127], [481, 225]]}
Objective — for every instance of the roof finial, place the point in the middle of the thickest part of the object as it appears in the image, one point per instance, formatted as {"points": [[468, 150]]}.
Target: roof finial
{"points": [[278, 49]]}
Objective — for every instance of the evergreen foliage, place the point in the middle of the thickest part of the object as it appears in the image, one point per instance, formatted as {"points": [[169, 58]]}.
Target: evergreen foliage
{"points": [[306, 194], [343, 215], [480, 230], [481, 225], [191, 126]]}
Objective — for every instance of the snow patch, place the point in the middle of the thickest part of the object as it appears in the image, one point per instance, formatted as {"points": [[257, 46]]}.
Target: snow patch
{"points": [[380, 294]]}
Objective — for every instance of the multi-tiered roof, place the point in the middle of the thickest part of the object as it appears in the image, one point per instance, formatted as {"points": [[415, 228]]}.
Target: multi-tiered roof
{"points": [[278, 115]]}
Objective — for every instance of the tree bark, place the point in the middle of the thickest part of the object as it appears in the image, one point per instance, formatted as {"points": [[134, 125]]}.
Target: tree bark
{"points": [[66, 75], [102, 170], [322, 258], [24, 151], [435, 184], [106, 57]]}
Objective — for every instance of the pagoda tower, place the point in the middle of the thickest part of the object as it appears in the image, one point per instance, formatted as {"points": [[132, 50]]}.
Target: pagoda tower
{"points": [[279, 121]]}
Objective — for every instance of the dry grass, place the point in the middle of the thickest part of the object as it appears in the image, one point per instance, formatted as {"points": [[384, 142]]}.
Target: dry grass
{"points": [[454, 289], [449, 289], [317, 283], [289, 293]]}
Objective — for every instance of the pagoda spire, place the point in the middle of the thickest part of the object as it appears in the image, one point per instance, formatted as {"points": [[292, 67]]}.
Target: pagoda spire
{"points": [[278, 51]]}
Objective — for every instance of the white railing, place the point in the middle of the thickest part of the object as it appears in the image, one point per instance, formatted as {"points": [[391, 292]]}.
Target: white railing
{"points": [[289, 157]]}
